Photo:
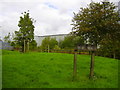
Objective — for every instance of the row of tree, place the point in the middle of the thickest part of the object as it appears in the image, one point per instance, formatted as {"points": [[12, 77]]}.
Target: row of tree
{"points": [[97, 24], [69, 42]]}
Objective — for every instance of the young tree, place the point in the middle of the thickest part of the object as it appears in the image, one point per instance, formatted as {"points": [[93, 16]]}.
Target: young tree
{"points": [[95, 21], [26, 32], [48, 43], [45, 44], [53, 42]]}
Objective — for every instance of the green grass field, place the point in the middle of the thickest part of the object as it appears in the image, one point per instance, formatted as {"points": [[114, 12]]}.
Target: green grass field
{"points": [[54, 70]]}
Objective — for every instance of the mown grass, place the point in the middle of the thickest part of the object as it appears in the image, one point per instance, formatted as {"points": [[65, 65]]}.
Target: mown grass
{"points": [[54, 70]]}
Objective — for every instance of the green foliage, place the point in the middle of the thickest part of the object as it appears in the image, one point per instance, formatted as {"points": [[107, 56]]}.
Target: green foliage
{"points": [[39, 48], [110, 46], [98, 24], [56, 47], [52, 43], [78, 40], [54, 70], [33, 45], [45, 44], [26, 27], [48, 42], [95, 21], [70, 42], [26, 31]]}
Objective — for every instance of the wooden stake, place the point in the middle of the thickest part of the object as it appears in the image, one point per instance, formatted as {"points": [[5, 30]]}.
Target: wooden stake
{"points": [[75, 65], [92, 64]]}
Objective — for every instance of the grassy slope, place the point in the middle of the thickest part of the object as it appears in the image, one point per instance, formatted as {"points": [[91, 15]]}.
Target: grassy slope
{"points": [[54, 70]]}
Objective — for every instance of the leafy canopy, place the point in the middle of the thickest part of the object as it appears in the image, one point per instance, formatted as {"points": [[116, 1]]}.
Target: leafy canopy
{"points": [[48, 42], [95, 21], [26, 31]]}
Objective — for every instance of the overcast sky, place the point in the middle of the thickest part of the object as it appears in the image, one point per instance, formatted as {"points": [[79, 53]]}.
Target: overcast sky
{"points": [[52, 16]]}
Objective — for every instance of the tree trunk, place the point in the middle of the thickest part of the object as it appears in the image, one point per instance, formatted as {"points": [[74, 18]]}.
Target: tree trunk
{"points": [[92, 64], [48, 48], [114, 55], [24, 47]]}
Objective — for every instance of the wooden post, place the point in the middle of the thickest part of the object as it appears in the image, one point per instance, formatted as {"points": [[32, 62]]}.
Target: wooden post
{"points": [[92, 64], [48, 48], [75, 65], [24, 46]]}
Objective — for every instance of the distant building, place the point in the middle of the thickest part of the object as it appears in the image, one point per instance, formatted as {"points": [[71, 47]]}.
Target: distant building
{"points": [[6, 46], [58, 37], [119, 5]]}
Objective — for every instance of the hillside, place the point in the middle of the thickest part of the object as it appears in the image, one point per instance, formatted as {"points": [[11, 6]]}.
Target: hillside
{"points": [[54, 70]]}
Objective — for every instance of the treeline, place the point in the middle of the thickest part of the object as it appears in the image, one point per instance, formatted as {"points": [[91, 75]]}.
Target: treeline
{"points": [[97, 24], [105, 48], [70, 42]]}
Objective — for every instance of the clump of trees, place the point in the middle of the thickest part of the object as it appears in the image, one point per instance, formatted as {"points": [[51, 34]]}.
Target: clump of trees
{"points": [[48, 44], [24, 37], [52, 45], [70, 42], [98, 24]]}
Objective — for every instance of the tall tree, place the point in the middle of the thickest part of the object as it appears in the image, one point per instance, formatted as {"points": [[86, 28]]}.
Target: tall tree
{"points": [[97, 20], [25, 34]]}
